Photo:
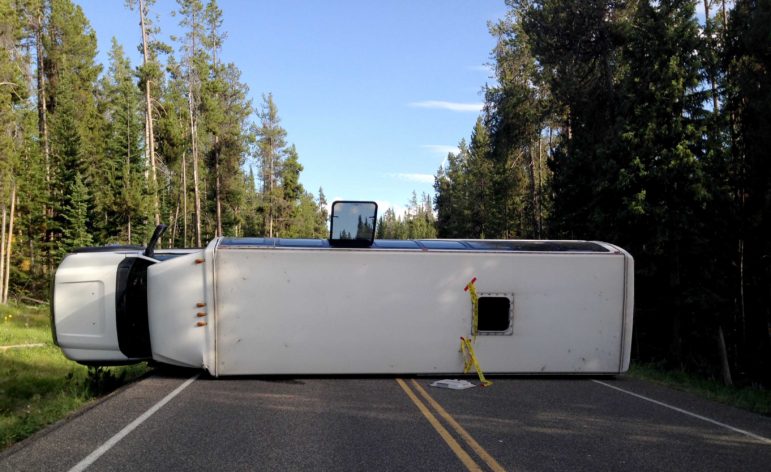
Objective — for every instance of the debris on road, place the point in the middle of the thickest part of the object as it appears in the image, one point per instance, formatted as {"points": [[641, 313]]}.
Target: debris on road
{"points": [[453, 384]]}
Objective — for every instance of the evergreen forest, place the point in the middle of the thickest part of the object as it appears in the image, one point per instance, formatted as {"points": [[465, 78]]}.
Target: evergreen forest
{"points": [[635, 122], [96, 154]]}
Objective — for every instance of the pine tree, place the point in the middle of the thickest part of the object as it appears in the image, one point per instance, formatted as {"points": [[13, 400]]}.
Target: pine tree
{"points": [[226, 110], [271, 144], [515, 116], [74, 215], [442, 204], [252, 221], [173, 149], [479, 198], [384, 224], [236, 139], [322, 216], [417, 223], [196, 70], [420, 220], [76, 126], [291, 191], [577, 46], [213, 91], [660, 181], [720, 222], [452, 188], [494, 187], [150, 80], [305, 219], [747, 62], [127, 207], [13, 133], [78, 162], [67, 163]]}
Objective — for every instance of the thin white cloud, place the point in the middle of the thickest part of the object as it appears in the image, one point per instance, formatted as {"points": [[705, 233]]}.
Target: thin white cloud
{"points": [[487, 68], [443, 149], [452, 106], [421, 178]]}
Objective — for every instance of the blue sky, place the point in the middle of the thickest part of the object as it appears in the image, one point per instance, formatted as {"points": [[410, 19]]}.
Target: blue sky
{"points": [[373, 94]]}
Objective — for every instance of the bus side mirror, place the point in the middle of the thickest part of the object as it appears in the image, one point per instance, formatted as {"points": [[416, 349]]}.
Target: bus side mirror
{"points": [[352, 224]]}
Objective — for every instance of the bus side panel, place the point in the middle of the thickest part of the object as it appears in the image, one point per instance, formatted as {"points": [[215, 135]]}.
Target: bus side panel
{"points": [[367, 312]]}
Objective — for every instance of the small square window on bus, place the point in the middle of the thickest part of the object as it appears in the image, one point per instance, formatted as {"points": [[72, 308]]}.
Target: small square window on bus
{"points": [[494, 314]]}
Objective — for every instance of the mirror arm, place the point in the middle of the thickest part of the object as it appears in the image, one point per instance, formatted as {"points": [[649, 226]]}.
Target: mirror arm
{"points": [[159, 230]]}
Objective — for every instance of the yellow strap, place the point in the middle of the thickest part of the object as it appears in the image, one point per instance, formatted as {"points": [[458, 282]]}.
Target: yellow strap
{"points": [[470, 359], [472, 290]]}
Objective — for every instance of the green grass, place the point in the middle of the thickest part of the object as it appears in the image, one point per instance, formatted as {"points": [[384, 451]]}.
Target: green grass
{"points": [[24, 325], [747, 398], [38, 385]]}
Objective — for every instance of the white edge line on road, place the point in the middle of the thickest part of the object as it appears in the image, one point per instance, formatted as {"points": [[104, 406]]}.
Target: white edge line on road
{"points": [[91, 458], [685, 412]]}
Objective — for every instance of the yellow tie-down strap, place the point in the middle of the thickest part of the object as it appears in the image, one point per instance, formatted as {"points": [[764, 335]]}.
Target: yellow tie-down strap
{"points": [[472, 291], [470, 360], [467, 345]]}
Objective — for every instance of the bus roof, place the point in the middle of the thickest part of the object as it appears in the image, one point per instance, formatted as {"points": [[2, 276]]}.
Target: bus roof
{"points": [[427, 245]]}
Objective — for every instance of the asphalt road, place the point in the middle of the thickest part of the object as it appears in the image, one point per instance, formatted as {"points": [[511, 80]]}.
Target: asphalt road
{"points": [[394, 424]]}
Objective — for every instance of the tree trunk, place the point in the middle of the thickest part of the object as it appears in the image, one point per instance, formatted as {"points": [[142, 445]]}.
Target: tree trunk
{"points": [[725, 368], [191, 102], [2, 250], [42, 109], [194, 148], [150, 145], [217, 185], [174, 220], [740, 192], [742, 285], [712, 79], [725, 17], [184, 199], [539, 185], [7, 275], [270, 195], [533, 197], [32, 260], [127, 172], [170, 234]]}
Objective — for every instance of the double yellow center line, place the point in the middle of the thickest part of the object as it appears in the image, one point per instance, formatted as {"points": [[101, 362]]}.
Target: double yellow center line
{"points": [[464, 457]]}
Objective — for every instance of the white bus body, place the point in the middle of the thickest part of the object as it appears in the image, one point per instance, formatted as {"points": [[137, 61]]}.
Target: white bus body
{"points": [[255, 306]]}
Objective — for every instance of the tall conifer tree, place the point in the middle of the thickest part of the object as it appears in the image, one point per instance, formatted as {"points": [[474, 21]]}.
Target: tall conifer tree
{"points": [[657, 170], [271, 144], [124, 163], [77, 127], [747, 61]]}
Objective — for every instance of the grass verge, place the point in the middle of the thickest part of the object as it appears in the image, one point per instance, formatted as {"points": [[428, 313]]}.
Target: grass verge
{"points": [[38, 385], [747, 398]]}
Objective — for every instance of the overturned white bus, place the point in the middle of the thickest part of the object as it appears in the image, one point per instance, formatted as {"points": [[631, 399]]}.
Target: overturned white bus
{"points": [[350, 304]]}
